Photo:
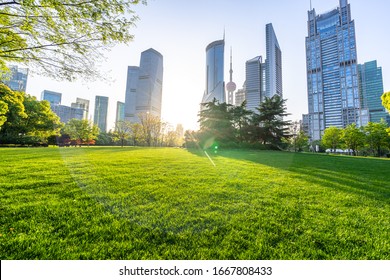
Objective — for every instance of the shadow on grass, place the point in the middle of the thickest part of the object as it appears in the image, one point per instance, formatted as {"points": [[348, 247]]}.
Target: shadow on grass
{"points": [[363, 176]]}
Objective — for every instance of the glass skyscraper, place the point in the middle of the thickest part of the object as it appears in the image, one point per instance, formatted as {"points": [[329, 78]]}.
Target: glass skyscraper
{"points": [[264, 79], [273, 62], [101, 112], [371, 90], [332, 72], [120, 111], [144, 86], [215, 85], [254, 83]]}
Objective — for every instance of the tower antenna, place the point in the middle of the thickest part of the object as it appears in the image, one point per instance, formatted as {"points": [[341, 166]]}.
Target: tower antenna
{"points": [[311, 7]]}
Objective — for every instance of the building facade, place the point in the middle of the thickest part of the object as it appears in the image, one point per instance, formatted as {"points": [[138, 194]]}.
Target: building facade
{"points": [[254, 83], [53, 97], [371, 90], [17, 79], [101, 112], [144, 86], [239, 96], [66, 113], [332, 72], [120, 111], [82, 104], [273, 64], [215, 84]]}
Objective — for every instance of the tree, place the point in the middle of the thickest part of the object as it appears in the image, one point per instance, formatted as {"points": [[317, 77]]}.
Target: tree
{"points": [[269, 119], [386, 100], [136, 133], [376, 136], [353, 137], [298, 139], [41, 121], [122, 131], [216, 123], [11, 108], [332, 138], [63, 38], [81, 131], [150, 127], [241, 120]]}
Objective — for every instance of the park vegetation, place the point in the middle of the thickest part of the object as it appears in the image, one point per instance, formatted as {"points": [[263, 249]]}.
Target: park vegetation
{"points": [[372, 139], [229, 126], [63, 39]]}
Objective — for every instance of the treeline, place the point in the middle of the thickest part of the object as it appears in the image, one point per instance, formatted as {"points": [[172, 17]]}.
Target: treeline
{"points": [[229, 126], [26, 121], [372, 139]]}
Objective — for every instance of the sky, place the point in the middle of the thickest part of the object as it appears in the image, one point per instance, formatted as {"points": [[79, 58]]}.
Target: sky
{"points": [[180, 30]]}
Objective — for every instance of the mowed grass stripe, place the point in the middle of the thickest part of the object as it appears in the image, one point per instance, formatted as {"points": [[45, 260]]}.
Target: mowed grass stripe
{"points": [[161, 203]]}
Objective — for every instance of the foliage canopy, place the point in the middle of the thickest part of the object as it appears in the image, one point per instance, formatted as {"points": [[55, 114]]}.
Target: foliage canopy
{"points": [[63, 39]]}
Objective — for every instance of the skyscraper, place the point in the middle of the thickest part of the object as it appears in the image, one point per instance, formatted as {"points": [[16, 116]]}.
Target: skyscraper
{"points": [[371, 90], [273, 62], [101, 110], [120, 111], [332, 74], [215, 85], [264, 79], [144, 86], [254, 83], [17, 78]]}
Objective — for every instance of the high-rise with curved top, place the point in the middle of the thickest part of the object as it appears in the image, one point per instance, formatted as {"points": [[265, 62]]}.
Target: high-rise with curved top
{"points": [[215, 85]]}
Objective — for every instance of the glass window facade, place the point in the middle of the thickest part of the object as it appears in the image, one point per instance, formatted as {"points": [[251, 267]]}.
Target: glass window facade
{"points": [[101, 111], [371, 90], [144, 86], [215, 85], [332, 78]]}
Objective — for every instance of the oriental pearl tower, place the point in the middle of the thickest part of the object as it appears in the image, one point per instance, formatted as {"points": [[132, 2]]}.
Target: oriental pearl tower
{"points": [[231, 86]]}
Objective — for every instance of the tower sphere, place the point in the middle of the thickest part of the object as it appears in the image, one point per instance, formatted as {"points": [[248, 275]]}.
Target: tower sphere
{"points": [[231, 86]]}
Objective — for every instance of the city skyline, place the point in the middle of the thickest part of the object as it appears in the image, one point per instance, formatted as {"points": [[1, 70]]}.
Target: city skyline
{"points": [[182, 46]]}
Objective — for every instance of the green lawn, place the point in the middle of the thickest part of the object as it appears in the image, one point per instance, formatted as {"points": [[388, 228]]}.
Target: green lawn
{"points": [[162, 203]]}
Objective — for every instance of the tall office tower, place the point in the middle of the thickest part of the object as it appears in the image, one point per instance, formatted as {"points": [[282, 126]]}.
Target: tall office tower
{"points": [[255, 83], [144, 86], [53, 97], [131, 93], [101, 110], [231, 86], [82, 104], [120, 111], [215, 85], [332, 74], [17, 78], [371, 90], [273, 62]]}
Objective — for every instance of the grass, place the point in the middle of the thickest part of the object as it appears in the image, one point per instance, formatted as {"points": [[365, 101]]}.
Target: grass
{"points": [[139, 203]]}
